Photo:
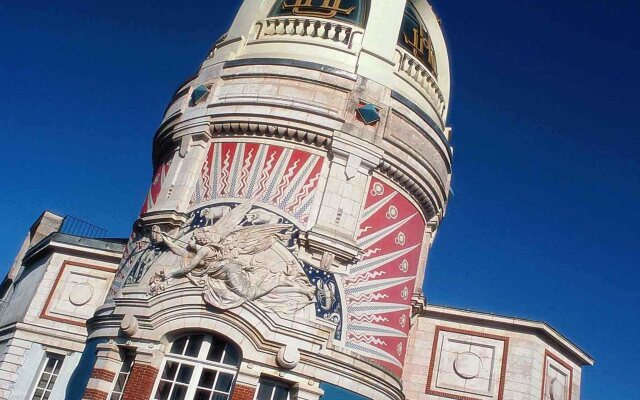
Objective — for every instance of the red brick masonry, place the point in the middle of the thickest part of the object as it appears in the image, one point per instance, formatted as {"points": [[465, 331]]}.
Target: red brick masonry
{"points": [[243, 393], [141, 381], [103, 375], [92, 394]]}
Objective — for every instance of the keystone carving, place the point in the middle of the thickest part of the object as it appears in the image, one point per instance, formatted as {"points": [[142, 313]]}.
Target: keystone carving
{"points": [[288, 357]]}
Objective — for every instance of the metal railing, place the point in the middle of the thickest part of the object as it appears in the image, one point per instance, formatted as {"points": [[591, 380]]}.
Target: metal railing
{"points": [[77, 227]]}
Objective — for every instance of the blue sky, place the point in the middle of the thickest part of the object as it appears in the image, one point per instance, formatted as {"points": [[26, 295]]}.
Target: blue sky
{"points": [[547, 149]]}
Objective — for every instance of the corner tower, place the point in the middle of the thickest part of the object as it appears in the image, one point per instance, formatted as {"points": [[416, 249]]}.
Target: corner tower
{"points": [[300, 178]]}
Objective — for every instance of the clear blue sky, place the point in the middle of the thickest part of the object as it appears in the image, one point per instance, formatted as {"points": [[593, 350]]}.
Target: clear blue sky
{"points": [[545, 113]]}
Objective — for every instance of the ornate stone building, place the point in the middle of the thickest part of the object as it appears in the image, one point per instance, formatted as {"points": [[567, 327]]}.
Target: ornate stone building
{"points": [[300, 179]]}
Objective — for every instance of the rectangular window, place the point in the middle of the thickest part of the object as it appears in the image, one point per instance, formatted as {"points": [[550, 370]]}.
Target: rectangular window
{"points": [[123, 377], [273, 390], [48, 376]]}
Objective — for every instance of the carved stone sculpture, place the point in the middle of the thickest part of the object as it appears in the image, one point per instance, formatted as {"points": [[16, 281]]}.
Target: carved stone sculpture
{"points": [[236, 264]]}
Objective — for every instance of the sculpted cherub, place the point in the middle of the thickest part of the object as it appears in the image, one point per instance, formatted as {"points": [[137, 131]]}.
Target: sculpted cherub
{"points": [[238, 264]]}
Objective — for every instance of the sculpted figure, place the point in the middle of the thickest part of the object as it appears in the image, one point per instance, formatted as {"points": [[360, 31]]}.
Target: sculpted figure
{"points": [[236, 264], [213, 213], [258, 217]]}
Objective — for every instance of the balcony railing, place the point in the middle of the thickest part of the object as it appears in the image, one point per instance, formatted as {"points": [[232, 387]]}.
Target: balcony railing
{"points": [[77, 227], [417, 75], [321, 31]]}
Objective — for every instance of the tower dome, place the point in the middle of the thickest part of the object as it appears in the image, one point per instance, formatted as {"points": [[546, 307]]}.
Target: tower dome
{"points": [[300, 177]]}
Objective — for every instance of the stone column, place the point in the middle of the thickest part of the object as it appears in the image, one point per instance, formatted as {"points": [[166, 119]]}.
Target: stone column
{"points": [[107, 366]]}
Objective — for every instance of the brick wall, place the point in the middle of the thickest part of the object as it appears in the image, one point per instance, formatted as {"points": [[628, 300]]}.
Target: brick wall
{"points": [[103, 375], [92, 394], [241, 392], [141, 381]]}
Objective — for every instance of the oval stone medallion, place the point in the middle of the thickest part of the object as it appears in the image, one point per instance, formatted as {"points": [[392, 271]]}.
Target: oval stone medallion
{"points": [[556, 390], [81, 294], [467, 365]]}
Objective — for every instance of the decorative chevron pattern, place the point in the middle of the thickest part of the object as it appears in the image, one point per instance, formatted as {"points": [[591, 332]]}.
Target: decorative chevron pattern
{"points": [[282, 177], [378, 291], [159, 178]]}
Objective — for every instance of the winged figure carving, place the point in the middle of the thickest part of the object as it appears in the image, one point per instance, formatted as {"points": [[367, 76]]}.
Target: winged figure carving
{"points": [[236, 264]]}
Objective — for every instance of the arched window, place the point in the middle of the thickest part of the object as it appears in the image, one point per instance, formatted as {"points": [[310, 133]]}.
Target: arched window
{"points": [[415, 38], [198, 367], [349, 11]]}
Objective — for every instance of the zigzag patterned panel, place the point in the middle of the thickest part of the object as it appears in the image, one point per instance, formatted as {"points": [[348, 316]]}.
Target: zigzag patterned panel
{"points": [[159, 178], [281, 177], [379, 289]]}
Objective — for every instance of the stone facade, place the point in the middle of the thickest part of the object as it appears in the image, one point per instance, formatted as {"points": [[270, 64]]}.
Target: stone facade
{"points": [[55, 285], [299, 181]]}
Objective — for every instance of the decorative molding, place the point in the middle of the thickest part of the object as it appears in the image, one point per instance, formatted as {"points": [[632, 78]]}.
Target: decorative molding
{"points": [[434, 355], [291, 63], [65, 264], [271, 130], [549, 355], [411, 186]]}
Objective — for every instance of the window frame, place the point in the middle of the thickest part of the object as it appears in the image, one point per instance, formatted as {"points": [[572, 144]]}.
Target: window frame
{"points": [[411, 12], [276, 383], [199, 364], [49, 355], [126, 354], [361, 23]]}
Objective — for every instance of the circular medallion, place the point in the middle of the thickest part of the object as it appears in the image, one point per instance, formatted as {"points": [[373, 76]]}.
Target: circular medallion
{"points": [[81, 294], [467, 365], [393, 212], [378, 189], [556, 390]]}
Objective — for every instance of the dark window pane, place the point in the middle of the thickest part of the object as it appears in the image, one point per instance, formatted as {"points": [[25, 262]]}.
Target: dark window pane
{"points": [[350, 11], [224, 383], [216, 350], [232, 356], [195, 343], [184, 376], [43, 380], [220, 396], [170, 369], [120, 383], [52, 382], [46, 395], [207, 379], [58, 366], [202, 394], [282, 393], [51, 363], [126, 365], [178, 345], [164, 388], [38, 395], [265, 391], [179, 392], [115, 396]]}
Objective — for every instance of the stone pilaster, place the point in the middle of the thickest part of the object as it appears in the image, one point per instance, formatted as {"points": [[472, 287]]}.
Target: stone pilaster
{"points": [[106, 368]]}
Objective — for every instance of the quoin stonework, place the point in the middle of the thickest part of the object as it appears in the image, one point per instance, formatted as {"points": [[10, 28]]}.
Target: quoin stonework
{"points": [[300, 178]]}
